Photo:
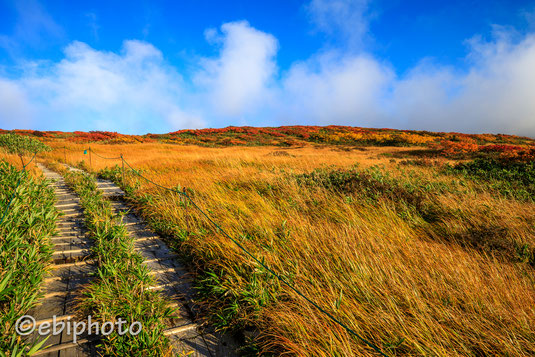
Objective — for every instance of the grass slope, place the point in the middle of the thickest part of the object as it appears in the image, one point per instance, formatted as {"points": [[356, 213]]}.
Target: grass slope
{"points": [[417, 260]]}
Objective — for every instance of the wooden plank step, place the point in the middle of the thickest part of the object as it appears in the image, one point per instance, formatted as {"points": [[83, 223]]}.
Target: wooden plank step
{"points": [[73, 204], [72, 242], [70, 195], [72, 251], [53, 294], [51, 319], [72, 264], [162, 259], [60, 260], [69, 276], [132, 223], [75, 209], [180, 329], [166, 285], [69, 227], [71, 237], [64, 346], [167, 270], [68, 234], [154, 239], [77, 214]]}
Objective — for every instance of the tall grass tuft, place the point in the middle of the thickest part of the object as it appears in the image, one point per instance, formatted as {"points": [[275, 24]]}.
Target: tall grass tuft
{"points": [[25, 251]]}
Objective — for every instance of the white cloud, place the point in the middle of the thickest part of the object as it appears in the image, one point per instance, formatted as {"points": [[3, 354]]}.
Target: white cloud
{"points": [[237, 81], [134, 91], [15, 110], [331, 88], [495, 94]]}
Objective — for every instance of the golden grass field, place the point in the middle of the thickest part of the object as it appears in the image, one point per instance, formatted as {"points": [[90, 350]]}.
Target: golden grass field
{"points": [[445, 286]]}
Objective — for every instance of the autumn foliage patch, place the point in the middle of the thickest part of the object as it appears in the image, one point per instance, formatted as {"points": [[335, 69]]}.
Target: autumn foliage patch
{"points": [[454, 145]]}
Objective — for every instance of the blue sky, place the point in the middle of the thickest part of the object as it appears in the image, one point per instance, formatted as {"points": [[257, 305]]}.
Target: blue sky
{"points": [[138, 67]]}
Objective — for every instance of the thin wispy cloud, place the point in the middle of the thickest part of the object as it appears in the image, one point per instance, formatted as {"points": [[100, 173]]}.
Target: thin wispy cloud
{"points": [[15, 108], [34, 27], [348, 19], [92, 23]]}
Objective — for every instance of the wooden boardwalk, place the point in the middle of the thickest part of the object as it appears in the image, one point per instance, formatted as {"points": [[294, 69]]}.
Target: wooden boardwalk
{"points": [[187, 336], [70, 271]]}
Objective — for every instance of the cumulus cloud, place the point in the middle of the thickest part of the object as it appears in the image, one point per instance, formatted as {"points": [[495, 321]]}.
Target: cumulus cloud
{"points": [[332, 88], [238, 81], [495, 94], [133, 91]]}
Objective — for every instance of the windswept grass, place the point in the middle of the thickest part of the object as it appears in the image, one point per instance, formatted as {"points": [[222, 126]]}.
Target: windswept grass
{"points": [[417, 261], [430, 205], [515, 179], [25, 251], [119, 289]]}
